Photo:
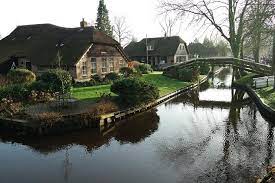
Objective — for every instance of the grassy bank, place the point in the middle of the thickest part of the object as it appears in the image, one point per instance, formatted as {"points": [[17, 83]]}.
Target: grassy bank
{"points": [[247, 79], [268, 96], [166, 85]]}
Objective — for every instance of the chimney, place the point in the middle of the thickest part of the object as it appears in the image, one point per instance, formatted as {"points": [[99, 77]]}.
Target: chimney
{"points": [[83, 23]]}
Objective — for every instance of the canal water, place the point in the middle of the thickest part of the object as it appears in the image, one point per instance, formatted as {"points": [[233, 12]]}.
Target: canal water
{"points": [[201, 136]]}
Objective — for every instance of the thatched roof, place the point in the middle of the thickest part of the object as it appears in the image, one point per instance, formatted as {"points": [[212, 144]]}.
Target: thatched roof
{"points": [[162, 46], [39, 43]]}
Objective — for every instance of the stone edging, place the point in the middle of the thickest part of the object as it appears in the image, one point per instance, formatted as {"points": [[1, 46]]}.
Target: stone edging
{"points": [[264, 109]]}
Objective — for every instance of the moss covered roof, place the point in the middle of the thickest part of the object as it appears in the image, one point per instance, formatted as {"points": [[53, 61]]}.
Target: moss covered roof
{"points": [[39, 43], [162, 46]]}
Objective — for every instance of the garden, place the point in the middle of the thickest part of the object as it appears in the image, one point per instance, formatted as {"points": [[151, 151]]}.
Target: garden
{"points": [[53, 94]]}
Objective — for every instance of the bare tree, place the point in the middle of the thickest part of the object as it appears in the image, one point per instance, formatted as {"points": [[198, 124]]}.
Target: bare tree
{"points": [[121, 30], [169, 24], [226, 17], [257, 24]]}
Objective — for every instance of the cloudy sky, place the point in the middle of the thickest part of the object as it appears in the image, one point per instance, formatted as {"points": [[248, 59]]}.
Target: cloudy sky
{"points": [[142, 15]]}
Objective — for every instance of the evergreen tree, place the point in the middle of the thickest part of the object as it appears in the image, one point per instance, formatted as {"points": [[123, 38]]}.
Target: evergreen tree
{"points": [[103, 22]]}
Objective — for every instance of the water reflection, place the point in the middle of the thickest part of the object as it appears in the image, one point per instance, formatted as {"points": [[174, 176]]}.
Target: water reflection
{"points": [[209, 135], [132, 130]]}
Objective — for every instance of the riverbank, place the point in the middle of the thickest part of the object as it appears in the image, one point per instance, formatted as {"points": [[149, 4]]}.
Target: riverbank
{"points": [[76, 121], [264, 98]]}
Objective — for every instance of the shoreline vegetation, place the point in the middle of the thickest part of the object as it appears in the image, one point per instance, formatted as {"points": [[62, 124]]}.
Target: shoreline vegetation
{"points": [[266, 95], [93, 105]]}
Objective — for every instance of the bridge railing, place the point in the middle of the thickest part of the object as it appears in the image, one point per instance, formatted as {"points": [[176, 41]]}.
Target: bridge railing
{"points": [[236, 62]]}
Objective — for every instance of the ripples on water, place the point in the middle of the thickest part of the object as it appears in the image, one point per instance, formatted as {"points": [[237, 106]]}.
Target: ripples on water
{"points": [[197, 137]]}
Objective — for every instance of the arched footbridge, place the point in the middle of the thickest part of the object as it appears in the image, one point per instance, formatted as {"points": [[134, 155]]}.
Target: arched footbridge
{"points": [[235, 62]]}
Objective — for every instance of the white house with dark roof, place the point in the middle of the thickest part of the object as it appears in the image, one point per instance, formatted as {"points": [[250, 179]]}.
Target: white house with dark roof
{"points": [[160, 51]]}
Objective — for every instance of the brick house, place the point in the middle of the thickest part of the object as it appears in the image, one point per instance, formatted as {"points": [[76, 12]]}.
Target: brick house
{"points": [[82, 51], [160, 51]]}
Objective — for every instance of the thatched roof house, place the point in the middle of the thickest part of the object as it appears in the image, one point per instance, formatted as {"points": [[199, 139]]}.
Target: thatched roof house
{"points": [[36, 47]]}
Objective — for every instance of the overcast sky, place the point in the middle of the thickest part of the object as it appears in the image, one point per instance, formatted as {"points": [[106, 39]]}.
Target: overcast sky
{"points": [[142, 15]]}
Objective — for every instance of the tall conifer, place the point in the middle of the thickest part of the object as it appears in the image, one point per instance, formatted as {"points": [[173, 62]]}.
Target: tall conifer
{"points": [[102, 22]]}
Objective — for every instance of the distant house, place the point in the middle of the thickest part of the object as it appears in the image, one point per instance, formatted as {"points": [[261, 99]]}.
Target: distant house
{"points": [[82, 51], [160, 51]]}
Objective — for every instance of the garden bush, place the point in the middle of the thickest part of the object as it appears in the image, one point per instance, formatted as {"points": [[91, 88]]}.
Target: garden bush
{"points": [[184, 74], [112, 76], [16, 92], [127, 71], [145, 68], [92, 82], [133, 91], [204, 68], [58, 80], [97, 78], [20, 76]]}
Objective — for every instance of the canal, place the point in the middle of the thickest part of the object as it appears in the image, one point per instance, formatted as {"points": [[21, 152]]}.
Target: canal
{"points": [[201, 136]]}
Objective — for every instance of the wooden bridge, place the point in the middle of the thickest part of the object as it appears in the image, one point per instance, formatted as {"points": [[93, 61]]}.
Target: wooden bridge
{"points": [[235, 62]]}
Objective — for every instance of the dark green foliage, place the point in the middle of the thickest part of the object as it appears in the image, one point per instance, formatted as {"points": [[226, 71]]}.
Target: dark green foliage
{"points": [[40, 86], [127, 71], [16, 92], [112, 76], [184, 74], [103, 22], [144, 68], [133, 91], [204, 68], [20, 76], [97, 78], [58, 80]]}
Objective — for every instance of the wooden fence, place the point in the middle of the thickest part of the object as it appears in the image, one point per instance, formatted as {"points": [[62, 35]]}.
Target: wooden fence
{"points": [[263, 82]]}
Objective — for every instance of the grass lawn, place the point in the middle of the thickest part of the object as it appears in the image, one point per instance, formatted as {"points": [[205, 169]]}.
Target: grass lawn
{"points": [[90, 93], [268, 96], [166, 85]]}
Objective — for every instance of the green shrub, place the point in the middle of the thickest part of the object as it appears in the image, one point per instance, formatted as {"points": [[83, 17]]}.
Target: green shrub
{"points": [[16, 92], [20, 76], [127, 71], [40, 86], [112, 76], [58, 80], [188, 74], [92, 82], [145, 68], [204, 69], [97, 78], [184, 74], [133, 91]]}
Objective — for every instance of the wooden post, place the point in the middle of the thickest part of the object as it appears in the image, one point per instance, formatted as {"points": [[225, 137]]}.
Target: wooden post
{"points": [[273, 58]]}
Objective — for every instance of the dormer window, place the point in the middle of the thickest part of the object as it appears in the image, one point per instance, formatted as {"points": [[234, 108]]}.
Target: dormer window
{"points": [[150, 48]]}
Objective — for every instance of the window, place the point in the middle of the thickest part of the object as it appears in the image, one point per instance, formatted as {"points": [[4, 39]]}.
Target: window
{"points": [[111, 64], [94, 66], [84, 68], [121, 63], [150, 48], [104, 65]]}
